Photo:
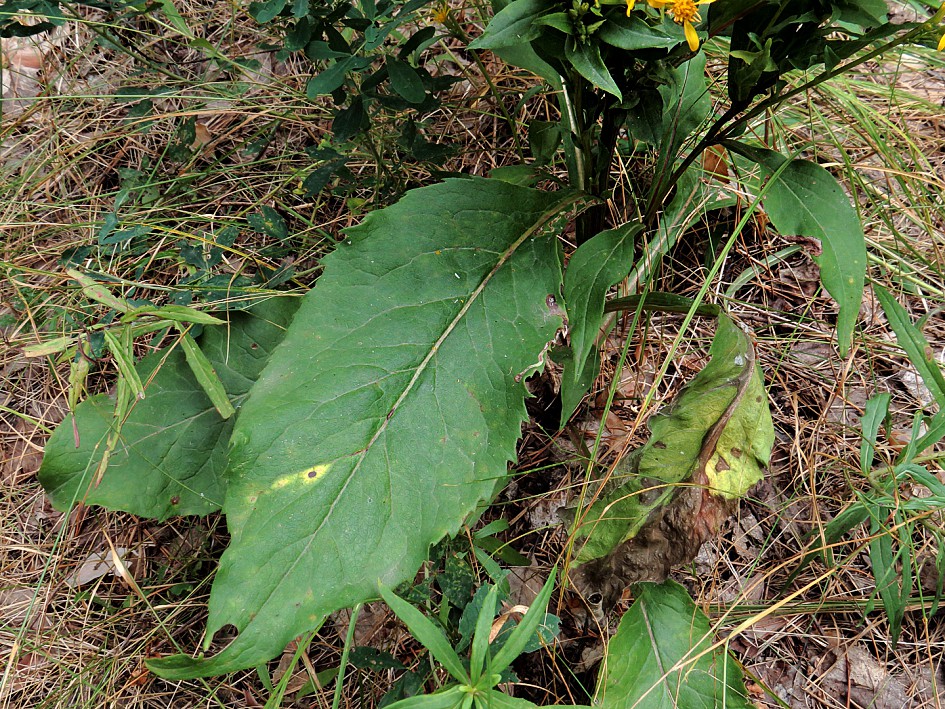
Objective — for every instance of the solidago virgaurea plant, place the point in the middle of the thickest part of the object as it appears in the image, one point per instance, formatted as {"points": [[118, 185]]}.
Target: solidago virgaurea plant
{"points": [[388, 413]]}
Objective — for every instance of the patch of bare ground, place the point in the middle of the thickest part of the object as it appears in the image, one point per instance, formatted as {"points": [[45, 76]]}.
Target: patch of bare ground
{"points": [[197, 143]]}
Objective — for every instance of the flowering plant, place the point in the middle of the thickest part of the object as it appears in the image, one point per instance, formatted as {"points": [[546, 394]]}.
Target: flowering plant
{"points": [[387, 416]]}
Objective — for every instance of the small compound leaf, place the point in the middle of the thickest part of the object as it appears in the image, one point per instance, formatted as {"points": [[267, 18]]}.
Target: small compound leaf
{"points": [[173, 447], [389, 413], [662, 658]]}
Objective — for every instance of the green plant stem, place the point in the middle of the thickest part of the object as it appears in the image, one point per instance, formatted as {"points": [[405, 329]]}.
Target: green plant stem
{"points": [[577, 175], [349, 640], [711, 137]]}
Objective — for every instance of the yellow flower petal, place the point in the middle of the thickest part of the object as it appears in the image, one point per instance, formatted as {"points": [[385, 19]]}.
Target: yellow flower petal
{"points": [[691, 36], [630, 4], [941, 43]]}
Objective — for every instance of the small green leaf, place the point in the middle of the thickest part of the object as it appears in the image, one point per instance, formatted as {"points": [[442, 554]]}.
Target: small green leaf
{"points": [[405, 81], [558, 20], [269, 222], [207, 377], [480, 643], [494, 699], [423, 629], [544, 137], [329, 79], [661, 658], [573, 388], [876, 410], [122, 352], [512, 26], [594, 268], [522, 175], [351, 120], [893, 580], [935, 433], [632, 33], [586, 59], [177, 313], [687, 104], [452, 698], [370, 658], [97, 292], [174, 16], [266, 11], [50, 347]]}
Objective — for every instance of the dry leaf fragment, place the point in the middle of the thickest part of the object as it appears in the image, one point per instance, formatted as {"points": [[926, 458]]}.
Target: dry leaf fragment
{"points": [[98, 564]]}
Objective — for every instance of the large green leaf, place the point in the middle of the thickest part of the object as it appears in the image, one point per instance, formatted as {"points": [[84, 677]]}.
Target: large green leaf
{"points": [[661, 658], [707, 449], [389, 413], [806, 200], [593, 269], [173, 446]]}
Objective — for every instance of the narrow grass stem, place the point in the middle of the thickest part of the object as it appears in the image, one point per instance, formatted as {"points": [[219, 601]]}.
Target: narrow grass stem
{"points": [[343, 664], [500, 104]]}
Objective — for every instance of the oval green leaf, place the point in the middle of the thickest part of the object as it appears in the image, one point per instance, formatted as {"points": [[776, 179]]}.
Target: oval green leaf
{"points": [[662, 658], [512, 26]]}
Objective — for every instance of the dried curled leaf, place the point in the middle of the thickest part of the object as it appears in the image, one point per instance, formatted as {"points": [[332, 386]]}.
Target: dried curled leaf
{"points": [[707, 448]]}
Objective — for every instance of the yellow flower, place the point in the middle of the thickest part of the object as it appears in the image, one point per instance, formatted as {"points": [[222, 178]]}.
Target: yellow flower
{"points": [[941, 43], [684, 12], [440, 14]]}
